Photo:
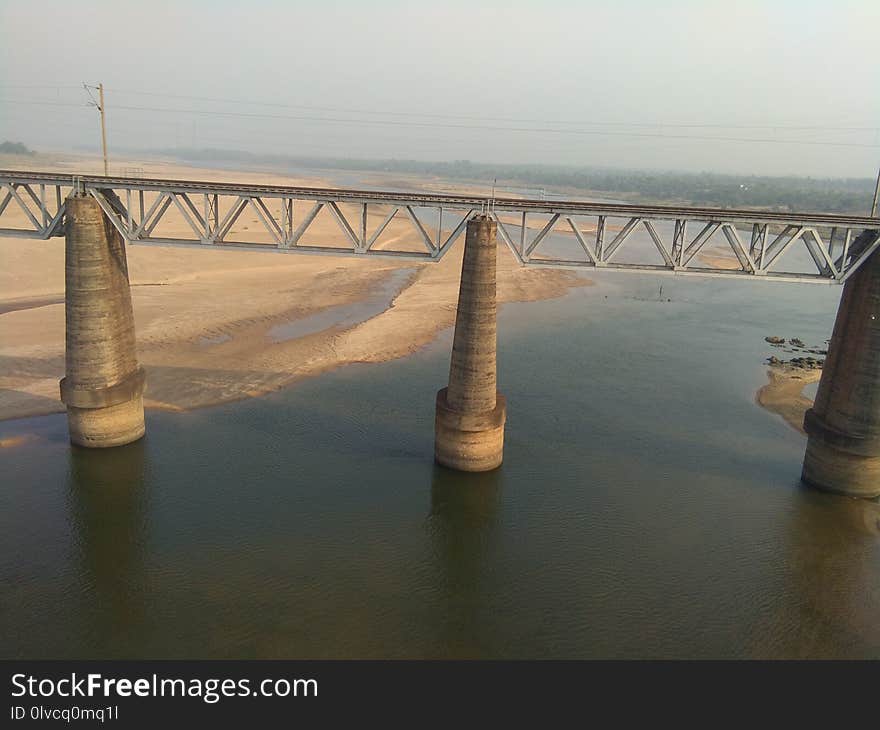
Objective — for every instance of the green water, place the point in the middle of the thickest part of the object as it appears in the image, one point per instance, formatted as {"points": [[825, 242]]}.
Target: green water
{"points": [[646, 507]]}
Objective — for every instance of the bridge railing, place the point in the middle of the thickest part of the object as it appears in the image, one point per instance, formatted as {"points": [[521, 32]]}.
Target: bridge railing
{"points": [[598, 235]]}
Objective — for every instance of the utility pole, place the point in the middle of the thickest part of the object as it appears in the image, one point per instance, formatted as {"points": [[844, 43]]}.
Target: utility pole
{"points": [[100, 107], [876, 196], [103, 125]]}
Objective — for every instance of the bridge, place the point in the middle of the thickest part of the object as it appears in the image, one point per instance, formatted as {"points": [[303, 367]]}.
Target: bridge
{"points": [[103, 384], [804, 247]]}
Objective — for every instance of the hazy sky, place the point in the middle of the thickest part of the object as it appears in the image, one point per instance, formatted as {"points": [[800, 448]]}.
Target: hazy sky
{"points": [[624, 83]]}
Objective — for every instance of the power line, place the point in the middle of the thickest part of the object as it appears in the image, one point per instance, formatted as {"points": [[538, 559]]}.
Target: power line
{"points": [[38, 86], [488, 128], [501, 119], [513, 120], [491, 128], [41, 102]]}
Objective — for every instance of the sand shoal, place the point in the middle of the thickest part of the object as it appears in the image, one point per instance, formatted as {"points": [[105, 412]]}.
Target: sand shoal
{"points": [[783, 394], [205, 319]]}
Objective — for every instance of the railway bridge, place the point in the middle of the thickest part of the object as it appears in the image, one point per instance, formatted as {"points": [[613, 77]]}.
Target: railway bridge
{"points": [[103, 384]]}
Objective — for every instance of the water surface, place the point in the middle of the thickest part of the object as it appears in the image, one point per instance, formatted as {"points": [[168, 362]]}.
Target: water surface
{"points": [[646, 507]]}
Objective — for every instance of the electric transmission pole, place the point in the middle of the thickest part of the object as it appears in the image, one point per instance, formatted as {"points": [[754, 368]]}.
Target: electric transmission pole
{"points": [[100, 106], [103, 126], [876, 197]]}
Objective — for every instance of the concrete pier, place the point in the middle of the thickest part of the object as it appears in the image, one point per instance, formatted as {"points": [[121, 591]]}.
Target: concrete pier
{"points": [[843, 450], [470, 413], [103, 383]]}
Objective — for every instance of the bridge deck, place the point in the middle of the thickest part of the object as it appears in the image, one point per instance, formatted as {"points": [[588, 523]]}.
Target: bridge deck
{"points": [[628, 237]]}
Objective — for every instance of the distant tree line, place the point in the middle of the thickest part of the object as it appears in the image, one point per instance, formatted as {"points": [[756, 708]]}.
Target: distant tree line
{"points": [[14, 148], [831, 195]]}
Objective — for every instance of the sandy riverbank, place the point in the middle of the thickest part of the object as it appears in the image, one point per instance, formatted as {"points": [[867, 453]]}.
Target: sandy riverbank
{"points": [[783, 394], [215, 326]]}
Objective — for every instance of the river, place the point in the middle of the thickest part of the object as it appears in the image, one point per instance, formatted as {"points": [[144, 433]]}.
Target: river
{"points": [[646, 506]]}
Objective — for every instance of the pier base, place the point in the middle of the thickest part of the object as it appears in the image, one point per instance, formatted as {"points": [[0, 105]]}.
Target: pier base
{"points": [[843, 450], [470, 413], [469, 442], [103, 384]]}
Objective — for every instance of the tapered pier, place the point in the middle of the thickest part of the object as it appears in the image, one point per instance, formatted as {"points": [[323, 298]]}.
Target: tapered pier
{"points": [[843, 450], [103, 383], [470, 415]]}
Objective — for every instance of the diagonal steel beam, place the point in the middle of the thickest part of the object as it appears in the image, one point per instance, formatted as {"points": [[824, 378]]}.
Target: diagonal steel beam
{"points": [[159, 213], [145, 217], [192, 208], [429, 244], [700, 240], [580, 239], [306, 222], [541, 234], [344, 224], [854, 252], [110, 212], [781, 248], [232, 215], [382, 226], [12, 189], [33, 195], [658, 242], [779, 240], [502, 229], [866, 253], [53, 227], [186, 216], [827, 255], [620, 238], [819, 254], [732, 235], [456, 232], [267, 219], [5, 200]]}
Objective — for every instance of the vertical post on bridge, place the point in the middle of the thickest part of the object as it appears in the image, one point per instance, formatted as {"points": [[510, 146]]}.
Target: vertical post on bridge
{"points": [[843, 450], [102, 109], [103, 384], [470, 413]]}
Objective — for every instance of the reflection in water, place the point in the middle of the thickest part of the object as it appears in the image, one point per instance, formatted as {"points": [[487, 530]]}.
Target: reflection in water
{"points": [[108, 505], [461, 526], [646, 508], [830, 577]]}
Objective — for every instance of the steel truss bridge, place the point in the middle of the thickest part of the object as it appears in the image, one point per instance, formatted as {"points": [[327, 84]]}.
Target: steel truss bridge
{"points": [[596, 235]]}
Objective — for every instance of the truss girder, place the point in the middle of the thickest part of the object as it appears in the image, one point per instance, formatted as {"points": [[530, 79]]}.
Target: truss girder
{"points": [[680, 252], [43, 217], [700, 241]]}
